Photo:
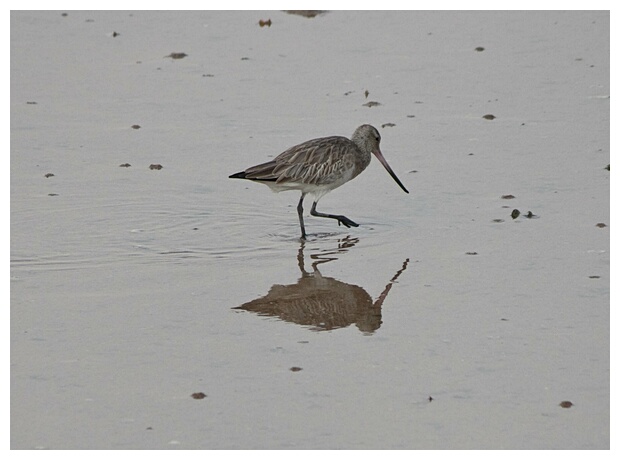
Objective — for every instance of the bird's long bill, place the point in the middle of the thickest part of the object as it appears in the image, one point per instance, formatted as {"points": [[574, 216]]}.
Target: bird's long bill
{"points": [[385, 164]]}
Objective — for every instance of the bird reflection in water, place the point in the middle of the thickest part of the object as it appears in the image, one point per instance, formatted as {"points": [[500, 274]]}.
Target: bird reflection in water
{"points": [[320, 302]]}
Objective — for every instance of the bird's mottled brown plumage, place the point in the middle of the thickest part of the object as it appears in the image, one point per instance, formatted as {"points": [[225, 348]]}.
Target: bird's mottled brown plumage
{"points": [[317, 162]]}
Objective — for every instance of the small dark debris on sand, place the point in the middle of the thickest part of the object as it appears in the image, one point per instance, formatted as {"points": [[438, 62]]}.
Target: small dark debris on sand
{"points": [[295, 369], [34, 103], [566, 404], [606, 167], [264, 23], [479, 48], [115, 34], [599, 225], [176, 55], [516, 213], [430, 398], [488, 116], [306, 13], [48, 175], [136, 126], [199, 395], [366, 93], [388, 125], [498, 221], [125, 165], [156, 166], [56, 194], [508, 197], [472, 253], [594, 277], [371, 104]]}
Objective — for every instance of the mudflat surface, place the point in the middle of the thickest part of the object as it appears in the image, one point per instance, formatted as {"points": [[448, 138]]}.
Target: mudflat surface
{"points": [[176, 308]]}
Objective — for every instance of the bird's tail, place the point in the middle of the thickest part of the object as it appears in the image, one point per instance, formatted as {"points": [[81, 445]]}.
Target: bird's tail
{"points": [[261, 173]]}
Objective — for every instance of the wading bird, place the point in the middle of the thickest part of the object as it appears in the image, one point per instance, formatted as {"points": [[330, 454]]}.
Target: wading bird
{"points": [[318, 166]]}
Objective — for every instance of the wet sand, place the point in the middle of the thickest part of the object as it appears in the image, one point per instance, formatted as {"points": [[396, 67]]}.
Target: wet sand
{"points": [[157, 304]]}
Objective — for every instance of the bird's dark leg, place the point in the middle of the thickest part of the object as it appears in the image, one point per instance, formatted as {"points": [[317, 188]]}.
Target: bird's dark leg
{"points": [[300, 213], [341, 219]]}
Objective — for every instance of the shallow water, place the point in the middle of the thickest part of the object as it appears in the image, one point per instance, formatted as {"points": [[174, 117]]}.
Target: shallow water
{"points": [[456, 326]]}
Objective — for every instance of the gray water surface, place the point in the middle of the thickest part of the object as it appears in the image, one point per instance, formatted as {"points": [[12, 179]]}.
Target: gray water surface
{"points": [[440, 322]]}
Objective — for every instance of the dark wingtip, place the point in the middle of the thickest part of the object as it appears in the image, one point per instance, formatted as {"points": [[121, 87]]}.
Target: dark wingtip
{"points": [[239, 175]]}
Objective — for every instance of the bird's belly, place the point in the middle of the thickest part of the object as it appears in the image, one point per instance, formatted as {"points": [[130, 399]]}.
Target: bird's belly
{"points": [[318, 190]]}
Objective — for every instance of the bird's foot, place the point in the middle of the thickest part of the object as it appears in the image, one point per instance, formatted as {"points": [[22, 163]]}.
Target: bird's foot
{"points": [[346, 222]]}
